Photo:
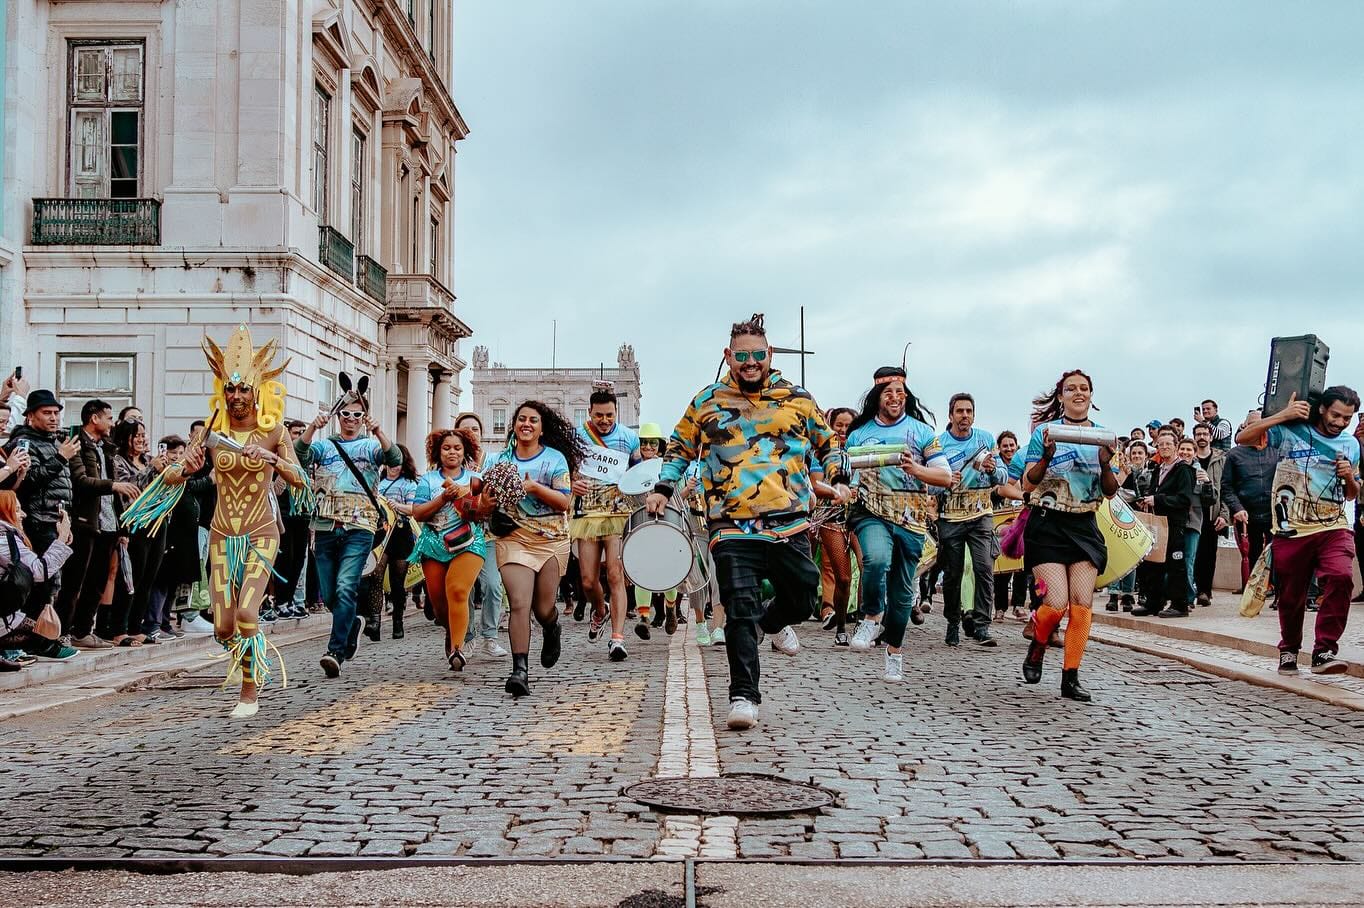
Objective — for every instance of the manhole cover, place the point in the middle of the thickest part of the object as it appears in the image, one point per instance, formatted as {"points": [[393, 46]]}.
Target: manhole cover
{"points": [[732, 794]]}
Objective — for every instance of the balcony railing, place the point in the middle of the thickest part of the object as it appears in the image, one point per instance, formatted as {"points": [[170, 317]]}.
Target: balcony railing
{"points": [[96, 222], [372, 278], [422, 291], [336, 252]]}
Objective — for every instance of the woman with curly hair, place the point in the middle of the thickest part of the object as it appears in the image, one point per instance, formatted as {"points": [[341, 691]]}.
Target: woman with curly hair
{"points": [[451, 548], [546, 451], [1062, 545], [836, 545]]}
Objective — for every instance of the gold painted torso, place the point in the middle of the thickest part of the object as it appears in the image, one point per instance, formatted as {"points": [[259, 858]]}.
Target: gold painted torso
{"points": [[246, 498]]}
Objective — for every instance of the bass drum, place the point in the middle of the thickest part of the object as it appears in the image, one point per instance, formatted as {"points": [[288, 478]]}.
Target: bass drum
{"points": [[657, 551], [1127, 539]]}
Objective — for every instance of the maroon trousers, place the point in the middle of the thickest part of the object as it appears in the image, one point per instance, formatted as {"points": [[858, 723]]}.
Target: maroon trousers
{"points": [[1330, 556]]}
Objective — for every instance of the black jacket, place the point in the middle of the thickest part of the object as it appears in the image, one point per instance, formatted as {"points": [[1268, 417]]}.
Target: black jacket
{"points": [[87, 485], [1174, 497], [48, 482], [1248, 481], [181, 561]]}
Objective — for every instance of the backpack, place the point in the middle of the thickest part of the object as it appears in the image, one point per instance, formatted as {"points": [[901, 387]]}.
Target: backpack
{"points": [[17, 580]]}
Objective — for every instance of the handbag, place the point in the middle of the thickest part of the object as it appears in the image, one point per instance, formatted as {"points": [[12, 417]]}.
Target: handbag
{"points": [[48, 626], [1011, 543], [459, 539], [499, 524], [17, 581]]}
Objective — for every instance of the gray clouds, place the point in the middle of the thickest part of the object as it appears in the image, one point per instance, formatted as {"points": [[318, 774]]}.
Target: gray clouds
{"points": [[1148, 190]]}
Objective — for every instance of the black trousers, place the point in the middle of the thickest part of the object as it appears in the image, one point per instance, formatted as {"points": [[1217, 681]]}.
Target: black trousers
{"points": [[83, 578], [40, 537], [1010, 589], [1205, 564], [1166, 583], [953, 541], [741, 566], [292, 558], [129, 609]]}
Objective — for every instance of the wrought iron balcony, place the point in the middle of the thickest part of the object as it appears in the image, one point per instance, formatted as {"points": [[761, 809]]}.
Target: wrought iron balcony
{"points": [[96, 222], [372, 278], [336, 252]]}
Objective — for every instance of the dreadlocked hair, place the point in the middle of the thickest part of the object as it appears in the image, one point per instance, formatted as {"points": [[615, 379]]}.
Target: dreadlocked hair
{"points": [[555, 432], [753, 326], [1048, 407], [871, 403]]}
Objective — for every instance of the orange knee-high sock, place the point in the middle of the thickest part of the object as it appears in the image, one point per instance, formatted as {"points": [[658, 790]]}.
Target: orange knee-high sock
{"points": [[1077, 635], [1047, 620]]}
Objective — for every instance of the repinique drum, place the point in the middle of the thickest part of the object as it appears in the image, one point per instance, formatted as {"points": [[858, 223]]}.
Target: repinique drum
{"points": [[657, 551], [638, 481], [1127, 538]]}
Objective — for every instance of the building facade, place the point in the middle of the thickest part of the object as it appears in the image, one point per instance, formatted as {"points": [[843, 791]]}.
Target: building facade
{"points": [[175, 168], [498, 390]]}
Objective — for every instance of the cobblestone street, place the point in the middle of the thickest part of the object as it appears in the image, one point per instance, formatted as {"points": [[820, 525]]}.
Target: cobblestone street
{"points": [[396, 758]]}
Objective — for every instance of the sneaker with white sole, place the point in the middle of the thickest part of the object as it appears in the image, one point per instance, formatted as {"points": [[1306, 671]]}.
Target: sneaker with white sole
{"points": [[197, 626], [895, 669], [1288, 663], [615, 648], [717, 636], [864, 637], [742, 714], [490, 647], [1328, 664], [786, 641], [702, 634], [596, 624]]}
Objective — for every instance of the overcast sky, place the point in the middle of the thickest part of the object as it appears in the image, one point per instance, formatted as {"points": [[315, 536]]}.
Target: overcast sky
{"points": [[1148, 190]]}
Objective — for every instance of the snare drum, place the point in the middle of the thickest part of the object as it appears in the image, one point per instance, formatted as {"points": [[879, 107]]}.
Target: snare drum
{"points": [[638, 481], [657, 552]]}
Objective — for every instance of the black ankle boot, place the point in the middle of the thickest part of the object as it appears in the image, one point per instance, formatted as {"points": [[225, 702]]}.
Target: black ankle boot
{"points": [[1070, 686], [518, 682], [372, 625], [398, 623], [1032, 663]]}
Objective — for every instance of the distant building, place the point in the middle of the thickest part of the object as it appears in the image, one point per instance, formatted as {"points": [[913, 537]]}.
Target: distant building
{"points": [[498, 389]]}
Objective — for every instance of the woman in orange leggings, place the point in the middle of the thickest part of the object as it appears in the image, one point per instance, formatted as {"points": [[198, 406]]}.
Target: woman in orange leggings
{"points": [[836, 547], [1062, 545], [451, 549]]}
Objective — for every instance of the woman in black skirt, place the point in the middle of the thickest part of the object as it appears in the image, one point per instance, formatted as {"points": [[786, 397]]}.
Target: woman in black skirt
{"points": [[1062, 545]]}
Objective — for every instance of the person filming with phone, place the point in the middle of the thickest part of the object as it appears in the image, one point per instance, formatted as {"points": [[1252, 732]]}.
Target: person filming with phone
{"points": [[36, 468]]}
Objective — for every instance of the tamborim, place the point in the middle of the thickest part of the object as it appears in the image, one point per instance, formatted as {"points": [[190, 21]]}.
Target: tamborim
{"points": [[638, 481], [1127, 538], [657, 553]]}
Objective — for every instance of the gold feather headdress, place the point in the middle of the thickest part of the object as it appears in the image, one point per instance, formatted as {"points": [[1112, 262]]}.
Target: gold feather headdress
{"points": [[242, 363]]}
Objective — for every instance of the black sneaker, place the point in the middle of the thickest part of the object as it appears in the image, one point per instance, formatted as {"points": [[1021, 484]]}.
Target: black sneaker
{"points": [[579, 611], [372, 628], [642, 630], [616, 650], [968, 624], [331, 665], [953, 635], [1175, 611], [982, 636], [1312, 605], [1328, 664], [1127, 602], [841, 638], [1112, 604], [1203, 600], [552, 645], [268, 615], [353, 638], [1288, 663]]}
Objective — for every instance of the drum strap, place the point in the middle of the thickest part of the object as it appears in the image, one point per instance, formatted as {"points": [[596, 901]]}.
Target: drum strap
{"points": [[360, 478]]}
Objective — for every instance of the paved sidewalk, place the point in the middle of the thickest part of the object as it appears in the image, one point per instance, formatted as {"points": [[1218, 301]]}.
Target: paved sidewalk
{"points": [[99, 672], [1216, 638]]}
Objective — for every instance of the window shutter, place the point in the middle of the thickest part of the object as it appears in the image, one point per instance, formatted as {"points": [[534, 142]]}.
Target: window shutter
{"points": [[126, 78], [90, 83], [89, 159]]}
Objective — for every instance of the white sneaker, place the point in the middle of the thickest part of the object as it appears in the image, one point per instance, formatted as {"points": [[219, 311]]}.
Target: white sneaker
{"points": [[197, 625], [717, 637], [894, 667], [742, 714], [786, 641], [490, 647], [702, 634], [863, 637]]}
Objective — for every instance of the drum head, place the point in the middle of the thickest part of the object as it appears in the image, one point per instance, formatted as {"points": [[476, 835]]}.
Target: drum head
{"points": [[657, 556], [641, 478]]}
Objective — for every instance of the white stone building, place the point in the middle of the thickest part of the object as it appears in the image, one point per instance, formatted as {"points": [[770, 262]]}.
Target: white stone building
{"points": [[177, 167], [497, 390]]}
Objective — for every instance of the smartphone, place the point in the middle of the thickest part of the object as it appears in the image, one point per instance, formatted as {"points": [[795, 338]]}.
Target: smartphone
{"points": [[73, 432], [161, 449], [21, 445], [18, 372]]}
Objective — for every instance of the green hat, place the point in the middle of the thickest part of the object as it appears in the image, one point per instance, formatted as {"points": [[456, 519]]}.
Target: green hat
{"points": [[651, 430]]}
